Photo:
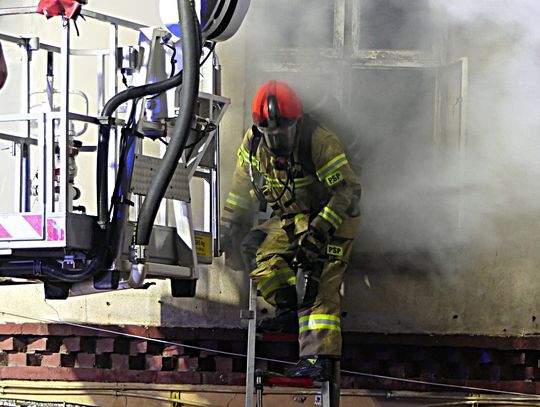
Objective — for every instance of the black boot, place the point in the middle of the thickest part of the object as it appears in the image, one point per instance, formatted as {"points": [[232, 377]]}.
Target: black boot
{"points": [[319, 369], [286, 319]]}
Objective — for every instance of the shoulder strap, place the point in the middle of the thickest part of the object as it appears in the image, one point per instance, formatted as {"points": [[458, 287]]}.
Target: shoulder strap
{"points": [[304, 145], [255, 139]]}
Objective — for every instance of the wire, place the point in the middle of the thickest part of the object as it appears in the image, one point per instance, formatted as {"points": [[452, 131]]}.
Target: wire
{"points": [[173, 60], [210, 50], [163, 141], [207, 127], [124, 79], [258, 192], [234, 354], [123, 151], [451, 386], [110, 331]]}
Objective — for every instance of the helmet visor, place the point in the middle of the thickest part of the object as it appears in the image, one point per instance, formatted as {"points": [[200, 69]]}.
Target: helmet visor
{"points": [[280, 140]]}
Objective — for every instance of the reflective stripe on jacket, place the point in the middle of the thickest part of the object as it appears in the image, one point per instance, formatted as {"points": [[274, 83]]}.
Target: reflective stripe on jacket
{"points": [[326, 194]]}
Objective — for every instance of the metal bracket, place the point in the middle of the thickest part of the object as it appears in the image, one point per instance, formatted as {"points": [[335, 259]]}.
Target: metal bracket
{"points": [[144, 171], [247, 314]]}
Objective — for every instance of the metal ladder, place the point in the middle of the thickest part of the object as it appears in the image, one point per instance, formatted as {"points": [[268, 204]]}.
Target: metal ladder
{"points": [[263, 378], [251, 316], [255, 380]]}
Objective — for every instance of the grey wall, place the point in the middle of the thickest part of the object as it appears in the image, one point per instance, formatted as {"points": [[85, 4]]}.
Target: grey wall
{"points": [[449, 237], [450, 221]]}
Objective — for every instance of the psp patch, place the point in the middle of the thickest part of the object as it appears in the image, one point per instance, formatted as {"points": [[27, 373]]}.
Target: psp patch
{"points": [[334, 178], [334, 250]]}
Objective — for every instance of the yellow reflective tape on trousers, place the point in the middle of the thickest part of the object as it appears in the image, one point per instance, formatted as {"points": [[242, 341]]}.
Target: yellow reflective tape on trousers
{"points": [[319, 321], [331, 217], [236, 200], [331, 166], [278, 278]]}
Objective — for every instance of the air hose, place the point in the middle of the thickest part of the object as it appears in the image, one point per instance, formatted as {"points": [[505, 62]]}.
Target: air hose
{"points": [[191, 46], [188, 98]]}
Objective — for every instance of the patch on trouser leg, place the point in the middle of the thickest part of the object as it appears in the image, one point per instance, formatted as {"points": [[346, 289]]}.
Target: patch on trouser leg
{"points": [[319, 334]]}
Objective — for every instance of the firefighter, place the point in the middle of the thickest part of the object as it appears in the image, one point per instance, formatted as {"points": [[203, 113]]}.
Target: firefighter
{"points": [[299, 169], [3, 68]]}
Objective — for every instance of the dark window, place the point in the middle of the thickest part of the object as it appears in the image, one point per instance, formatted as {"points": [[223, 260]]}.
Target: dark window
{"points": [[293, 23], [396, 24]]}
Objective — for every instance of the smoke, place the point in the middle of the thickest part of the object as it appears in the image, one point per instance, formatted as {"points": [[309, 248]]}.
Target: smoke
{"points": [[500, 166], [431, 193]]}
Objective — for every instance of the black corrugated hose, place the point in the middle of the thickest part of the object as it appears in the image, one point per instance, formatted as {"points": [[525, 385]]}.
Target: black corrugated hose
{"points": [[191, 52], [191, 46]]}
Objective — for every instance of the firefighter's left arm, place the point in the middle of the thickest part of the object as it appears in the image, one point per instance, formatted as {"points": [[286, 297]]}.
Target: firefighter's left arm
{"points": [[333, 169]]}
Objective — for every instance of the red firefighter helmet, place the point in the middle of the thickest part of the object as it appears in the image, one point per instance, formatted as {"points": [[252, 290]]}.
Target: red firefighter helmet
{"points": [[277, 113], [69, 8]]}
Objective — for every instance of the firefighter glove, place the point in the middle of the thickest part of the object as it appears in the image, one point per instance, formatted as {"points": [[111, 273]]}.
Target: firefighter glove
{"points": [[230, 239], [310, 246]]}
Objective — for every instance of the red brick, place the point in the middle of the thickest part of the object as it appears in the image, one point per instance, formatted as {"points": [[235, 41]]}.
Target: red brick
{"points": [[104, 345], [39, 344], [172, 350], [223, 364], [530, 373], [16, 359], [186, 364], [52, 360], [153, 363], [11, 343], [24, 329], [119, 362], [70, 344], [85, 360], [138, 346]]}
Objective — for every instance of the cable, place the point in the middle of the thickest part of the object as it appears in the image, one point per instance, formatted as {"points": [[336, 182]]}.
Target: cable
{"points": [[397, 379], [207, 127], [165, 142], [210, 50], [110, 331], [452, 386], [173, 60], [258, 192]]}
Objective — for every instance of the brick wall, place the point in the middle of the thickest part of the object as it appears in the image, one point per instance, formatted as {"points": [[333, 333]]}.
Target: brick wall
{"points": [[59, 352]]}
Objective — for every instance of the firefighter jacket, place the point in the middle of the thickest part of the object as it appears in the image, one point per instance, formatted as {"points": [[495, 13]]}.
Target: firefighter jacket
{"points": [[320, 188]]}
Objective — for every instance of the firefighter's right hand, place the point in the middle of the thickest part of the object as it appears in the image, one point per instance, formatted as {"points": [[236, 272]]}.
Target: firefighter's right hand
{"points": [[225, 242], [230, 238], [310, 247]]}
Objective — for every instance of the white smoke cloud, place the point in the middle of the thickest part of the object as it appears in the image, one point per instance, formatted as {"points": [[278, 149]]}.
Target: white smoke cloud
{"points": [[421, 196]]}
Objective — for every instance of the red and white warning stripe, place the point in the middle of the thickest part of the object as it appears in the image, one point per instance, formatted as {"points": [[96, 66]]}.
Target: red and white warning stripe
{"points": [[21, 226]]}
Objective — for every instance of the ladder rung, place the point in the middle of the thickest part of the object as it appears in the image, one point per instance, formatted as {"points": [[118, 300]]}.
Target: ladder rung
{"points": [[289, 381]]}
